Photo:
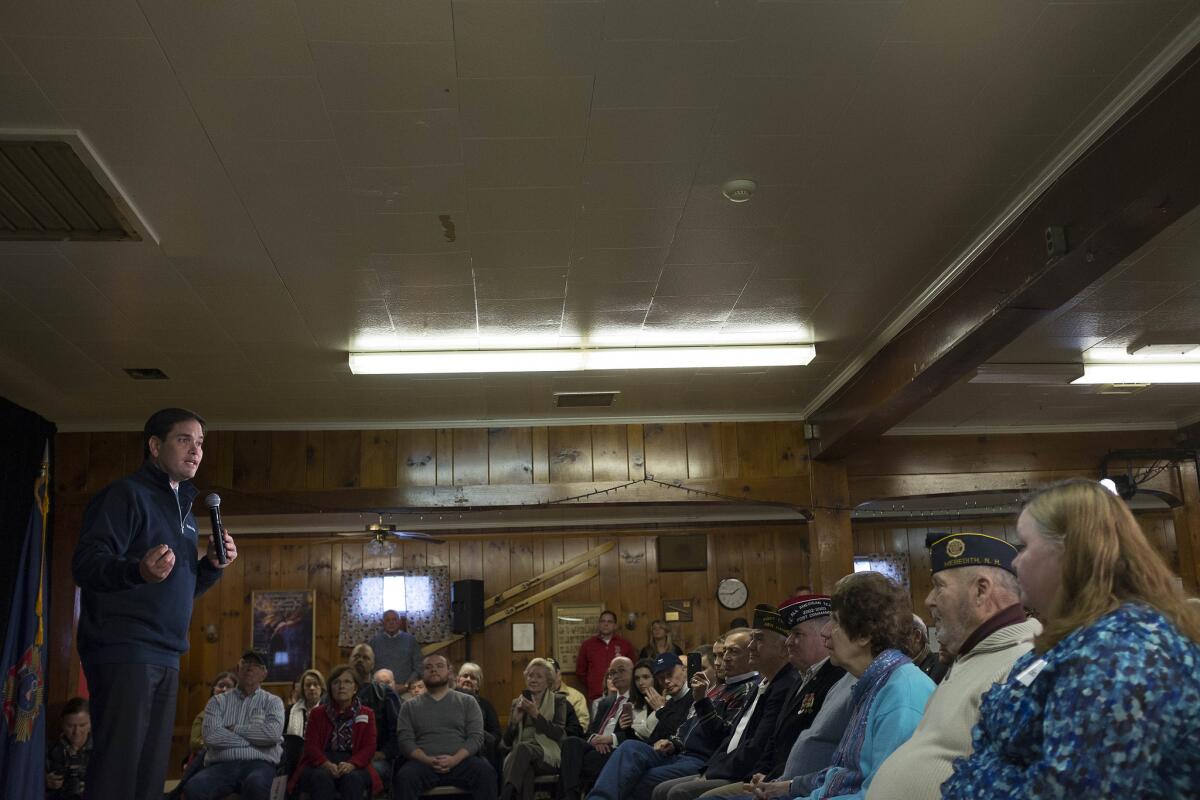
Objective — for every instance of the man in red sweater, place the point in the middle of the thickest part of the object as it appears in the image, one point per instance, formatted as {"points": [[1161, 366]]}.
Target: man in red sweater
{"points": [[596, 653]]}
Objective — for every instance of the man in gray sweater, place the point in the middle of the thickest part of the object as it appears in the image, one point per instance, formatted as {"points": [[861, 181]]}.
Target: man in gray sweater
{"points": [[398, 650], [441, 733]]}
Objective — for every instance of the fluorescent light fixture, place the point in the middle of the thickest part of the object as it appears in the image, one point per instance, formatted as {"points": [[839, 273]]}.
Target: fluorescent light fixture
{"points": [[442, 362], [1051, 374], [1146, 372]]}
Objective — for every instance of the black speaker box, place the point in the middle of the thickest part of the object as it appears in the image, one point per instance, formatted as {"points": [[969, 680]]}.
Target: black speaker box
{"points": [[466, 606]]}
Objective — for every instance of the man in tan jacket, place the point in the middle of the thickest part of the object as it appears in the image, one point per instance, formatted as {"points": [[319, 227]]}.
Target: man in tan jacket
{"points": [[975, 602]]}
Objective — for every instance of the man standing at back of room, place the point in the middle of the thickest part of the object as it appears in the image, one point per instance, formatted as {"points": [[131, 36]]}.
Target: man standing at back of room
{"points": [[596, 653], [398, 650], [137, 565]]}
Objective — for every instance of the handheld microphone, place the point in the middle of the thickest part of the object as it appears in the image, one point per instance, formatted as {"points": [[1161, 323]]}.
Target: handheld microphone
{"points": [[213, 501]]}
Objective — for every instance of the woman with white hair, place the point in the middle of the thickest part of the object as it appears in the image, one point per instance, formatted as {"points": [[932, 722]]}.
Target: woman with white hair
{"points": [[539, 720]]}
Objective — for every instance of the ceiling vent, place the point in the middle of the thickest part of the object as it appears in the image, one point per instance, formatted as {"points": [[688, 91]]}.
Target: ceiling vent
{"points": [[146, 373], [585, 399], [52, 188]]}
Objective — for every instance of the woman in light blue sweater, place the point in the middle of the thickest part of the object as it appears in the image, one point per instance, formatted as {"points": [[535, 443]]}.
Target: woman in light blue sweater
{"points": [[872, 619]]}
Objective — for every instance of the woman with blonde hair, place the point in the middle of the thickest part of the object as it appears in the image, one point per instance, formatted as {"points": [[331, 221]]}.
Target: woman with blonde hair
{"points": [[539, 720], [659, 641], [1108, 702]]}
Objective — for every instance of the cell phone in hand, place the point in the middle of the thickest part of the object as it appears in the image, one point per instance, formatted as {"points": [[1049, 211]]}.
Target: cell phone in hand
{"points": [[528, 695], [694, 665]]}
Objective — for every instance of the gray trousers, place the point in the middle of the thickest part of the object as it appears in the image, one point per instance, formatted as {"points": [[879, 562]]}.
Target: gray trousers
{"points": [[689, 787], [133, 712], [522, 765]]}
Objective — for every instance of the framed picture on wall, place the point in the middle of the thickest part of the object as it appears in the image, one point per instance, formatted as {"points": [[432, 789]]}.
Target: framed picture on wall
{"points": [[573, 623], [522, 637], [282, 631]]}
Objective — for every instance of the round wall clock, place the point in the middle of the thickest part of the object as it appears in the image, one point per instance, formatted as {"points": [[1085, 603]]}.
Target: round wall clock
{"points": [[732, 593]]}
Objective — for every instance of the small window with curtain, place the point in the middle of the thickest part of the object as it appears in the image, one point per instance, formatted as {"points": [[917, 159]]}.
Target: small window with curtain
{"points": [[893, 565], [422, 596]]}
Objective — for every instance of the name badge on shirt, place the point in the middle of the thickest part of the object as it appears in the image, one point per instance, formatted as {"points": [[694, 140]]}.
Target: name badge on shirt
{"points": [[1031, 672], [361, 718]]}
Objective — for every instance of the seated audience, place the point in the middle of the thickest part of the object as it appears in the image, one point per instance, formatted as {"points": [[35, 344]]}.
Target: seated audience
{"points": [[221, 684], [339, 744], [643, 684], [918, 650], [671, 674], [66, 763], [735, 757], [583, 757], [396, 649], [415, 689], [1108, 703], [312, 691], [573, 695], [872, 621], [981, 622], [806, 616], [718, 658], [537, 722], [440, 734], [470, 681], [637, 767], [597, 653], [659, 642], [385, 705], [243, 731]]}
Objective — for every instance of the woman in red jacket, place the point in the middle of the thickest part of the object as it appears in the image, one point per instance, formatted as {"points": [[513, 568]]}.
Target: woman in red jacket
{"points": [[339, 744]]}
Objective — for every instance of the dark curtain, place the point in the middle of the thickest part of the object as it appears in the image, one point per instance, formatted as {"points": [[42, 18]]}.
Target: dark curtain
{"points": [[23, 438]]}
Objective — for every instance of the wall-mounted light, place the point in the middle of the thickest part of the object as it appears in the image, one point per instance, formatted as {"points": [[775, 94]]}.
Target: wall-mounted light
{"points": [[441, 362]]}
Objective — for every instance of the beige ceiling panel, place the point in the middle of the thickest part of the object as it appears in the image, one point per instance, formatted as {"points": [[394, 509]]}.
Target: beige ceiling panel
{"points": [[500, 39], [511, 249], [408, 189], [74, 20], [618, 265], [612, 322], [662, 184], [649, 134], [707, 207], [426, 324], [523, 162], [37, 271], [422, 269], [629, 227], [386, 77], [370, 139], [22, 103], [521, 284], [777, 293], [257, 316], [661, 74], [689, 311], [517, 316], [584, 295], [517, 209], [795, 104], [979, 27], [813, 38], [274, 107], [766, 159], [1017, 100], [773, 319], [1093, 38], [260, 38], [118, 73], [709, 246], [377, 20], [1166, 264], [414, 233], [703, 279], [433, 299], [525, 107], [677, 20]]}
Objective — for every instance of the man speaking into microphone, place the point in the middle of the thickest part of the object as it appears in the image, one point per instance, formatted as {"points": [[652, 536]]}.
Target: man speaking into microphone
{"points": [[138, 568]]}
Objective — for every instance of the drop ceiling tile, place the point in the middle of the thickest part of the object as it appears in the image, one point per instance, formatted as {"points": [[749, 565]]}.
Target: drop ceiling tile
{"points": [[617, 265], [704, 279], [396, 271], [118, 73], [985, 27], [689, 311], [587, 296], [677, 19], [629, 227], [1092, 38], [539, 283], [789, 105], [709, 246], [525, 107], [765, 159], [36, 271], [494, 39], [707, 207], [770, 319], [370, 139], [430, 325], [649, 134], [777, 293], [414, 233], [497, 315], [516, 209], [22, 103], [813, 38], [74, 20], [377, 20], [510, 249], [238, 108], [523, 162], [9, 63], [408, 189], [386, 77], [662, 184], [661, 74], [261, 38], [431, 299], [1166, 264]]}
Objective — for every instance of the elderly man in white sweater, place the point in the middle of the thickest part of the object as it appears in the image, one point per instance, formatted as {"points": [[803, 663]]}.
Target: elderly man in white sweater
{"points": [[975, 602]]}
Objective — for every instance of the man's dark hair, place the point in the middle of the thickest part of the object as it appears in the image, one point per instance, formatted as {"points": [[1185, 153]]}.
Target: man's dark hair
{"points": [[74, 706], [607, 613], [161, 422]]}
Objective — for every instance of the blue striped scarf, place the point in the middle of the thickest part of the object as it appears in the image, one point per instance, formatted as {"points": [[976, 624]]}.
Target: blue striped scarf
{"points": [[845, 775]]}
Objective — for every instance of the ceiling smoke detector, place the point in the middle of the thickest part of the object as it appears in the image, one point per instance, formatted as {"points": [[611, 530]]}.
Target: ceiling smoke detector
{"points": [[739, 191]]}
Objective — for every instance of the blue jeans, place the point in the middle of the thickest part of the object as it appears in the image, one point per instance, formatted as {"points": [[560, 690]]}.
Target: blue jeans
{"points": [[635, 768], [251, 779]]}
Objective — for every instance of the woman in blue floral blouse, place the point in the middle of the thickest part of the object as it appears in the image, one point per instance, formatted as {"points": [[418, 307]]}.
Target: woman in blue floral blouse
{"points": [[1108, 703]]}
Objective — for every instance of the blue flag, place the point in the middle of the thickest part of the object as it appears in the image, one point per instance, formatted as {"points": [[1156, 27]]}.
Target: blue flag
{"points": [[23, 726]]}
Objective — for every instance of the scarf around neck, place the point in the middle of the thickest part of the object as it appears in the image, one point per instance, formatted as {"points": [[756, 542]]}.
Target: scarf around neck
{"points": [[551, 753], [341, 738], [845, 774]]}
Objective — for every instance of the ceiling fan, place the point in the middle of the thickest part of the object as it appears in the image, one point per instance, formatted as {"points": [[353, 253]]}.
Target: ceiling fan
{"points": [[382, 534]]}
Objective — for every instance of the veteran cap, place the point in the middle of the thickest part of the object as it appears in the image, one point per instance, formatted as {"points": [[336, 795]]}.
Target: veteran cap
{"points": [[804, 607], [766, 618], [950, 550]]}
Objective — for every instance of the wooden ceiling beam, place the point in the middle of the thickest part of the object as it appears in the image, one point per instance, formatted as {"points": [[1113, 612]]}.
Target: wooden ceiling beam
{"points": [[1138, 178]]}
